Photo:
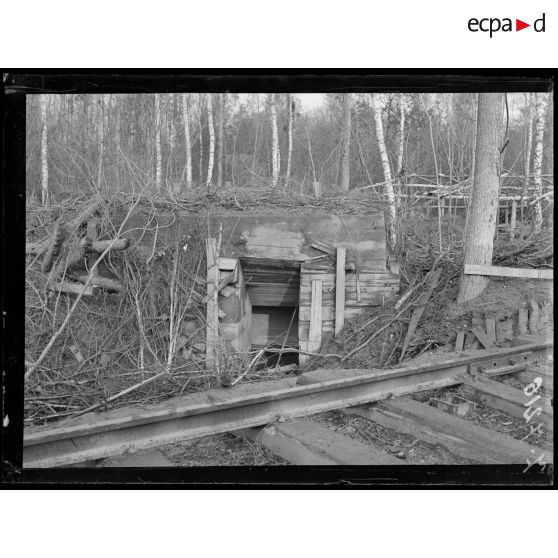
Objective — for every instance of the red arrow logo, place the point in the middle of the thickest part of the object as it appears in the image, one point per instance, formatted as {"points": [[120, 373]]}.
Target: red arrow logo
{"points": [[519, 25]]}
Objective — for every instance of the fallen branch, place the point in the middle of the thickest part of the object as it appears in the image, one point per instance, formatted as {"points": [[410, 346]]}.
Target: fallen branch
{"points": [[57, 334], [119, 394], [54, 249], [431, 281]]}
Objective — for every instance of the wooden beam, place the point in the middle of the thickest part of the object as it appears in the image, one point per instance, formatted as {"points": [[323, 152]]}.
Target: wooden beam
{"points": [[498, 271], [523, 319], [340, 291], [212, 329], [315, 334], [460, 339], [510, 400], [457, 435], [482, 337], [491, 329], [127, 430], [304, 442], [534, 315]]}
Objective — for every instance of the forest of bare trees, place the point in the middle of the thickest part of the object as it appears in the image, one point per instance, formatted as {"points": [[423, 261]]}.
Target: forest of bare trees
{"points": [[177, 142]]}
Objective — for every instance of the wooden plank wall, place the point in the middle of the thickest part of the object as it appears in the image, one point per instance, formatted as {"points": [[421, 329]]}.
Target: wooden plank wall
{"points": [[374, 287]]}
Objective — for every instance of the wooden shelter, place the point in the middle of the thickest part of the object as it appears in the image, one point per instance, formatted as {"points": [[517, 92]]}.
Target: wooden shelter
{"points": [[287, 280]]}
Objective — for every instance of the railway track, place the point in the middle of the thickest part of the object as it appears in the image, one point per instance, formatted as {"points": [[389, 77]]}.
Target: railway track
{"points": [[277, 413]]}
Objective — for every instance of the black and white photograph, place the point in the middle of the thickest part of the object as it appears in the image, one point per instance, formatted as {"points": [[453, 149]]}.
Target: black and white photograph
{"points": [[224, 278]]}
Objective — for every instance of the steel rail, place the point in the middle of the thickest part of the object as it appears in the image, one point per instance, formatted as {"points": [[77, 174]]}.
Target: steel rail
{"points": [[127, 430]]}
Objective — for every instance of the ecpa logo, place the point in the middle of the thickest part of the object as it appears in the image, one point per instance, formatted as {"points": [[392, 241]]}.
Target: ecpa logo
{"points": [[492, 25]]}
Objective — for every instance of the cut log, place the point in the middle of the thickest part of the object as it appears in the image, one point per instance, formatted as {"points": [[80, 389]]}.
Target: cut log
{"points": [[103, 282], [73, 288], [101, 245], [54, 248], [457, 435], [493, 270], [306, 443]]}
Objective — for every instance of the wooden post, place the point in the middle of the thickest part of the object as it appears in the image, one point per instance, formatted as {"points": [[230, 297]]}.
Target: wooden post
{"points": [[523, 319], [459, 341], [340, 291], [491, 329], [513, 220], [534, 316], [317, 189], [212, 309], [315, 334]]}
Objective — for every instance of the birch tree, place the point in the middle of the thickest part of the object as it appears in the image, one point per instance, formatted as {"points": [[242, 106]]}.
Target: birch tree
{"points": [[172, 127], [290, 115], [483, 211], [211, 138], [200, 114], [104, 102], [220, 137], [392, 214], [401, 135], [159, 160], [275, 155], [44, 150], [528, 148], [187, 141], [346, 143], [540, 107]]}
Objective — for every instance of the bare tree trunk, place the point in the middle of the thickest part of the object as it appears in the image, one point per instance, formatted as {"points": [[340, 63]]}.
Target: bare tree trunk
{"points": [[172, 133], [401, 135], [290, 113], [105, 103], [256, 138], [44, 151], [118, 107], [392, 214], [211, 138], [159, 160], [220, 137], [346, 143], [188, 145], [528, 147], [275, 155], [483, 212], [200, 100], [541, 104]]}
